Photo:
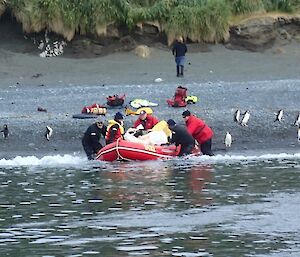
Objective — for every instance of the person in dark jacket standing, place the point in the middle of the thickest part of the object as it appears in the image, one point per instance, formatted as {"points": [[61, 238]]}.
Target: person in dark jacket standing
{"points": [[179, 50], [91, 139], [180, 136]]}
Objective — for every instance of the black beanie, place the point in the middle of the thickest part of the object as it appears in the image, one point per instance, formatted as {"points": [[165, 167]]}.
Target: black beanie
{"points": [[171, 122], [186, 113], [118, 116]]}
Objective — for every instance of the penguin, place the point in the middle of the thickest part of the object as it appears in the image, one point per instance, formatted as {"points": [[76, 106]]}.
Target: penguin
{"points": [[279, 116], [43, 54], [5, 131], [245, 119], [61, 47], [48, 133], [56, 51], [48, 47], [41, 45], [51, 53], [297, 121], [228, 140], [46, 37], [237, 116]]}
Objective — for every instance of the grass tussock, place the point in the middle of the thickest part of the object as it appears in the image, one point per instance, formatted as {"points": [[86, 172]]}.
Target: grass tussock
{"points": [[2, 7], [197, 20], [200, 22]]}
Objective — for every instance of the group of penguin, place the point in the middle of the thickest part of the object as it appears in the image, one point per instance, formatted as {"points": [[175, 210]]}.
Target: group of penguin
{"points": [[49, 50], [5, 132], [244, 122], [56, 50], [238, 118], [228, 137]]}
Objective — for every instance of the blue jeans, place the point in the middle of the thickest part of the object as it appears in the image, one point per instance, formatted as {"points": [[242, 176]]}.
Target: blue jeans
{"points": [[180, 60]]}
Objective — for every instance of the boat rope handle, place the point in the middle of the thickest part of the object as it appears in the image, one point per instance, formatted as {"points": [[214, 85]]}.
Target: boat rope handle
{"points": [[117, 148]]}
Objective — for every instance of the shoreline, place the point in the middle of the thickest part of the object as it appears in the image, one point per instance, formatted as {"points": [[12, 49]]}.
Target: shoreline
{"points": [[222, 79], [216, 105]]}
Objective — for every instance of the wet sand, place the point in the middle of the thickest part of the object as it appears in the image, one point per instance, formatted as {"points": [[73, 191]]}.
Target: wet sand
{"points": [[219, 64], [223, 80]]}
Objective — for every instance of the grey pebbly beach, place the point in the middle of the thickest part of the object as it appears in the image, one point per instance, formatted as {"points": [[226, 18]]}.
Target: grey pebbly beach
{"points": [[224, 80]]}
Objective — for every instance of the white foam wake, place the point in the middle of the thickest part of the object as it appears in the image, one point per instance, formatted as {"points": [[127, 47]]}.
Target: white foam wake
{"points": [[54, 160], [75, 160], [235, 158]]}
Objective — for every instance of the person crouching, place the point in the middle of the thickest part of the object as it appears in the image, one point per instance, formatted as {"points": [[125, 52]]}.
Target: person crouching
{"points": [[180, 136], [146, 120], [115, 129], [200, 131], [91, 139]]}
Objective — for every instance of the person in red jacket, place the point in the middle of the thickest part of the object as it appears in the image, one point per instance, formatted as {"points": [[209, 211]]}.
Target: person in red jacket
{"points": [[200, 131], [148, 121]]}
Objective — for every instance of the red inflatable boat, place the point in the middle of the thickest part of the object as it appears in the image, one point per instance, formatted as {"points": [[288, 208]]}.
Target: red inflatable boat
{"points": [[130, 151], [125, 150]]}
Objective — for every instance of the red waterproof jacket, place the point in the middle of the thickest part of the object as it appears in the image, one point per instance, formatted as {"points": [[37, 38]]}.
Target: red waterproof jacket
{"points": [[199, 130], [114, 131], [148, 123]]}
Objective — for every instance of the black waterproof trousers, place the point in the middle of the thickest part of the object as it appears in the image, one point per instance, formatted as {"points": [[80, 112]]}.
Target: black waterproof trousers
{"points": [[206, 148]]}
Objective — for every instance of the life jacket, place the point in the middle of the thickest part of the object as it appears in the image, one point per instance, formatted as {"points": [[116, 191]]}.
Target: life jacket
{"points": [[138, 103], [138, 111], [181, 92], [179, 97], [94, 109], [199, 130], [191, 99], [115, 100], [119, 133]]}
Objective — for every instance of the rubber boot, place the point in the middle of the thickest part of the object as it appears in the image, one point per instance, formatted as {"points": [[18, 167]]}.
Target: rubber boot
{"points": [[178, 74], [181, 70]]}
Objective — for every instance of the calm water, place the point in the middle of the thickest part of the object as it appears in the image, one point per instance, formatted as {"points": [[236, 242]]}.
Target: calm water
{"points": [[220, 206]]}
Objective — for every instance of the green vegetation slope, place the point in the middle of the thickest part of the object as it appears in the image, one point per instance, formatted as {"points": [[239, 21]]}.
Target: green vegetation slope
{"points": [[198, 20]]}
